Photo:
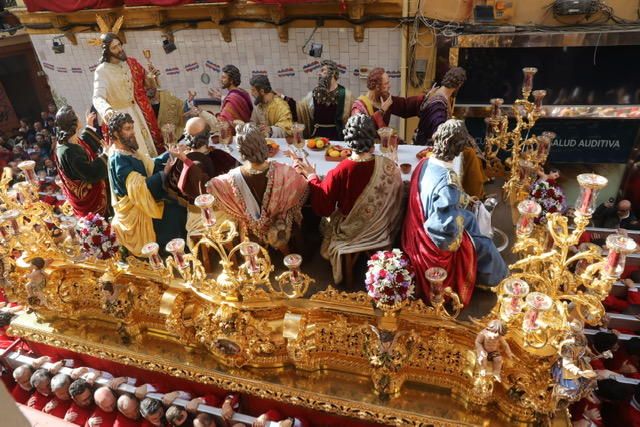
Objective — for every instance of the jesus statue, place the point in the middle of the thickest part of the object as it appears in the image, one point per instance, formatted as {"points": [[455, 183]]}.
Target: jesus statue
{"points": [[119, 86]]}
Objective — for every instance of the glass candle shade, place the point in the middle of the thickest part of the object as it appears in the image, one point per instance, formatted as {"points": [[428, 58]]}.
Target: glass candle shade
{"points": [[527, 81], [544, 144], [68, 225], [176, 248], [515, 291], [249, 251], [538, 97], [436, 277], [293, 262], [28, 168], [526, 170], [619, 246], [496, 103], [11, 217], [150, 250], [528, 209], [590, 185], [205, 202], [536, 303], [384, 134]]}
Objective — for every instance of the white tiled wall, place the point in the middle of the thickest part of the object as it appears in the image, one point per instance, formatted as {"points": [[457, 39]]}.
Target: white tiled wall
{"points": [[250, 50]]}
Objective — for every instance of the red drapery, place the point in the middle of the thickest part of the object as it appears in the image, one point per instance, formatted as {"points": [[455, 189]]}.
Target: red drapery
{"points": [[65, 6]]}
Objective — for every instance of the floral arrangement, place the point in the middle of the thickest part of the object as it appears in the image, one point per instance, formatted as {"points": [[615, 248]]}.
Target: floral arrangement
{"points": [[96, 237], [550, 197], [389, 279]]}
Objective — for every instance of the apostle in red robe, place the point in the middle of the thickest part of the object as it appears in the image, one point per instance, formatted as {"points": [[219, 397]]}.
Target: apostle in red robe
{"points": [[362, 196], [237, 104], [82, 166], [438, 230]]}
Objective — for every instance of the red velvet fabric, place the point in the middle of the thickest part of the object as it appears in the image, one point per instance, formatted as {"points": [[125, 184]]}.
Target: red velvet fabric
{"points": [[461, 265], [65, 6], [341, 187], [138, 74]]}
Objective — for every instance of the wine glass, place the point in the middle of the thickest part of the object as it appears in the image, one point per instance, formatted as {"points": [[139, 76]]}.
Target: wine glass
{"points": [[225, 135], [298, 140]]}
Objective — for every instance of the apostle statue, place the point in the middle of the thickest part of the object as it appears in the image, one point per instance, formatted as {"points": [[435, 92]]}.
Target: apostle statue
{"points": [[82, 164], [143, 213], [119, 85], [272, 114], [264, 197], [380, 105], [236, 105], [362, 197], [188, 178], [437, 108], [325, 110], [438, 230]]}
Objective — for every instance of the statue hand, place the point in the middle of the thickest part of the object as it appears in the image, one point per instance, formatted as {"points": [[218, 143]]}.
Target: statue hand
{"points": [[386, 104], [90, 118]]}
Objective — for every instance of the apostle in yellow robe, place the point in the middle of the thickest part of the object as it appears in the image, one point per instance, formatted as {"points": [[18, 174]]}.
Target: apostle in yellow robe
{"points": [[272, 114]]}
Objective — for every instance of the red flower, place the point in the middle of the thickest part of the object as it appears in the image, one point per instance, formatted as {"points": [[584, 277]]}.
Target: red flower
{"points": [[383, 274], [96, 240], [399, 277]]}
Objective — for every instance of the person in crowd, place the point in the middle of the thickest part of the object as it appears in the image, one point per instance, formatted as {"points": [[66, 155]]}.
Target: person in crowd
{"points": [[437, 108], [379, 104], [271, 113], [22, 376], [188, 178], [152, 412], [178, 416], [608, 215], [275, 416], [548, 193], [82, 164], [362, 196], [128, 411], [438, 230], [119, 85], [265, 197], [324, 111], [81, 393], [105, 412], [61, 400], [236, 105], [41, 382], [143, 214]]}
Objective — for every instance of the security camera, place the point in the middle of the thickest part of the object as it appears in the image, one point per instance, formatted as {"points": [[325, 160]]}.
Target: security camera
{"points": [[58, 46], [315, 50]]}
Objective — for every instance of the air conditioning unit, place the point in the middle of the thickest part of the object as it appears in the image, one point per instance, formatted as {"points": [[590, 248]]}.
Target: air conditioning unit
{"points": [[575, 7]]}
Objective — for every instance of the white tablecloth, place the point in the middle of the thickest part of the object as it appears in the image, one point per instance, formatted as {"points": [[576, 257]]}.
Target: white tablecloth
{"points": [[406, 154]]}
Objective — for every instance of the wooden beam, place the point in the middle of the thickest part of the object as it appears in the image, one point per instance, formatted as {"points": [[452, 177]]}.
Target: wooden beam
{"points": [[283, 32], [358, 33], [225, 33]]}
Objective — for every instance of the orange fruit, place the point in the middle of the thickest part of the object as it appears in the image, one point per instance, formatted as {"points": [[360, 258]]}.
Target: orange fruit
{"points": [[311, 143]]}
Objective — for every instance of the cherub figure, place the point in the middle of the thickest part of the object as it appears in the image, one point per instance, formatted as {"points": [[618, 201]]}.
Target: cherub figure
{"points": [[488, 343], [37, 280]]}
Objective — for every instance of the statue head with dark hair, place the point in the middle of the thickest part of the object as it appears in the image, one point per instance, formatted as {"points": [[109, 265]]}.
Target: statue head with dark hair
{"points": [[378, 82], [5, 318], [327, 78], [66, 124], [360, 133], [230, 77], [251, 143], [122, 132], [112, 50], [260, 86], [454, 78], [330, 69], [450, 139]]}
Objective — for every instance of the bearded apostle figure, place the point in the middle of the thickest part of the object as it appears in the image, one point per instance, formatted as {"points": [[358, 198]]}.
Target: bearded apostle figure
{"points": [[438, 230], [361, 197], [236, 105], [264, 197], [325, 110], [379, 104], [82, 164], [143, 211], [120, 85]]}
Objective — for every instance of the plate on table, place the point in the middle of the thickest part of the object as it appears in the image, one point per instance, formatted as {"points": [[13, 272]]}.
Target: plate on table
{"points": [[317, 144], [274, 147], [336, 153], [423, 153]]}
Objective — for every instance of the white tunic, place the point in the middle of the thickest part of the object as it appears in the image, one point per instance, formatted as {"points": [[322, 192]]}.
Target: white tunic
{"points": [[113, 90]]}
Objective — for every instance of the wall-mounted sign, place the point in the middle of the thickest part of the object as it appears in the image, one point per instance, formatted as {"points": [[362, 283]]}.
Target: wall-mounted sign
{"points": [[580, 140]]}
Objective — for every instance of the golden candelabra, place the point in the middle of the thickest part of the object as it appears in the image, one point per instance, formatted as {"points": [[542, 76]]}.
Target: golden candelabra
{"points": [[528, 154], [246, 318]]}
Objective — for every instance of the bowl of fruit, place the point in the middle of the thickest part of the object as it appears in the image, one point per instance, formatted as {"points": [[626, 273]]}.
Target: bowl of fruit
{"points": [[336, 153], [274, 147], [318, 144]]}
